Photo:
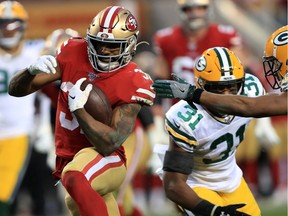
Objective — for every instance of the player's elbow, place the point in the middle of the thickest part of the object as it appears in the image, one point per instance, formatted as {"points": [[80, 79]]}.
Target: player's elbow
{"points": [[12, 90], [16, 90], [105, 150], [171, 189]]}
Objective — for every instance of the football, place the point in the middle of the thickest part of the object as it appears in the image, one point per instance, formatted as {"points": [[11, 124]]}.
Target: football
{"points": [[98, 105]]}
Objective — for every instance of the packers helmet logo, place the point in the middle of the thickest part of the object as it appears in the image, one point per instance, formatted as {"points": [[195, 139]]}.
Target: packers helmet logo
{"points": [[281, 39], [131, 23], [201, 64]]}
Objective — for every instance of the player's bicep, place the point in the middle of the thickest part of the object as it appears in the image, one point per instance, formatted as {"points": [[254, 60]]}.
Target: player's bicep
{"points": [[123, 120]]}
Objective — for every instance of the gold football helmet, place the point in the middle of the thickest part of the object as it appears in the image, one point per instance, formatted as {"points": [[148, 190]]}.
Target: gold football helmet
{"points": [[275, 59], [194, 20], [112, 39], [13, 18], [218, 70]]}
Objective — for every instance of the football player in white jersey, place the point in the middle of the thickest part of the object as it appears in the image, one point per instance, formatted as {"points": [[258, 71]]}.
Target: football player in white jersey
{"points": [[16, 114], [199, 171], [275, 62]]}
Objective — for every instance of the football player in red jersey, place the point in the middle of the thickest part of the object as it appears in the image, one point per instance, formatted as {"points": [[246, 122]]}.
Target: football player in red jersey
{"points": [[90, 157], [179, 46]]}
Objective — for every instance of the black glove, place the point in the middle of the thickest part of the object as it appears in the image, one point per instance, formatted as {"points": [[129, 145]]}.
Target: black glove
{"points": [[176, 88], [206, 208], [230, 210]]}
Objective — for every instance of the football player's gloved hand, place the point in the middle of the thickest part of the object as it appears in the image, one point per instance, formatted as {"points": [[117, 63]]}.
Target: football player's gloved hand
{"points": [[229, 210], [208, 209], [176, 88], [78, 98], [44, 64]]}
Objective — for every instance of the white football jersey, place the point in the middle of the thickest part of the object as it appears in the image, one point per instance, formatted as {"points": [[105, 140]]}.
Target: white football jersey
{"points": [[212, 142], [16, 113]]}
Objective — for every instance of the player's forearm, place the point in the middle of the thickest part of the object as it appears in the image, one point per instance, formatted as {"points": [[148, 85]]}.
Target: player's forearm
{"points": [[177, 190], [104, 138], [229, 104], [20, 84], [262, 106]]}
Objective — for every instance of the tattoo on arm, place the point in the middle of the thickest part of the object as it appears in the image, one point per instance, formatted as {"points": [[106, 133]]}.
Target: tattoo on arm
{"points": [[124, 121]]}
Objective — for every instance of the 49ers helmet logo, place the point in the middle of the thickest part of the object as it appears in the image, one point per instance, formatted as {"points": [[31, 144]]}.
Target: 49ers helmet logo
{"points": [[281, 38], [131, 23]]}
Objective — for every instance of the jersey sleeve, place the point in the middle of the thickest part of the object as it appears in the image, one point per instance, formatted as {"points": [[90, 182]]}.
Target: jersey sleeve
{"points": [[179, 130], [253, 87], [66, 52], [144, 93]]}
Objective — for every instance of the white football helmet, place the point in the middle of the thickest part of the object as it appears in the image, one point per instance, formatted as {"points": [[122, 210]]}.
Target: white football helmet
{"points": [[13, 20], [114, 29], [194, 20]]}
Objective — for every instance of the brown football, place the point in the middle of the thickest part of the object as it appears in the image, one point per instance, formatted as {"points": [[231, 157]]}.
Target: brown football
{"points": [[98, 105]]}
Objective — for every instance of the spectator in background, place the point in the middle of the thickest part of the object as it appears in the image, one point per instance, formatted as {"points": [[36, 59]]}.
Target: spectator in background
{"points": [[17, 115]]}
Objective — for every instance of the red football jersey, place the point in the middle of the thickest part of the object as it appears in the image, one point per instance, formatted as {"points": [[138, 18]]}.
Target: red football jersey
{"points": [[126, 85], [181, 54]]}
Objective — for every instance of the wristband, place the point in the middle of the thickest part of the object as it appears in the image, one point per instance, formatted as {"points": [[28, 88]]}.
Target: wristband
{"points": [[196, 95]]}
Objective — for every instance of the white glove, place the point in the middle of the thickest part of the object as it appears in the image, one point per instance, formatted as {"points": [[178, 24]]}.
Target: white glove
{"points": [[78, 98], [265, 132], [44, 64]]}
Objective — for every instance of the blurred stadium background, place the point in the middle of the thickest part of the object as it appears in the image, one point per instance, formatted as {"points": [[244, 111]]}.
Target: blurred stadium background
{"points": [[254, 19]]}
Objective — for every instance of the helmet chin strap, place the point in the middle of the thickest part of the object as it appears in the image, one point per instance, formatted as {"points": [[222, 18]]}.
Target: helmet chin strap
{"points": [[107, 67]]}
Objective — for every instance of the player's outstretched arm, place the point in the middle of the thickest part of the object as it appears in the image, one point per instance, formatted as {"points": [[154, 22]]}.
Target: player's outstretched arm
{"points": [[43, 71], [262, 106]]}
